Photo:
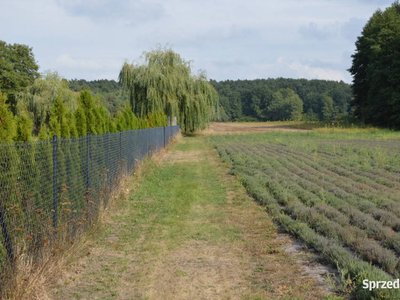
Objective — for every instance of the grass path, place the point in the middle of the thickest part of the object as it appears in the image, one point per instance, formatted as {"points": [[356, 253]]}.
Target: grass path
{"points": [[187, 231]]}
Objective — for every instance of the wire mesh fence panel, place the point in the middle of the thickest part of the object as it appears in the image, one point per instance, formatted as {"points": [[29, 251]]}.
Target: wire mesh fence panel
{"points": [[50, 191]]}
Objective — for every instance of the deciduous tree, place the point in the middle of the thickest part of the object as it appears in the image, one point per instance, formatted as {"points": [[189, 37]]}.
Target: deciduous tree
{"points": [[163, 81], [376, 69], [18, 69], [7, 121], [285, 105]]}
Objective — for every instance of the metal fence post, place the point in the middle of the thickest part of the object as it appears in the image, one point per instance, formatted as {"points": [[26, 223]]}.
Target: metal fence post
{"points": [[148, 141], [130, 151], [55, 200], [120, 146], [164, 137], [88, 160], [108, 158]]}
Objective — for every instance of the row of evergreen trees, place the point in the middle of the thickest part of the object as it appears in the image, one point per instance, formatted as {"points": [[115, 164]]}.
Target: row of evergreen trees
{"points": [[88, 117], [47, 197]]}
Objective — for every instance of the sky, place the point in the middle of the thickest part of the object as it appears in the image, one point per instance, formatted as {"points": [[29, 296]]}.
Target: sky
{"points": [[252, 39]]}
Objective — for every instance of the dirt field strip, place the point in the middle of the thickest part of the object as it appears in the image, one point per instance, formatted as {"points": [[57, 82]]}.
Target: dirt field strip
{"points": [[188, 231], [245, 128]]}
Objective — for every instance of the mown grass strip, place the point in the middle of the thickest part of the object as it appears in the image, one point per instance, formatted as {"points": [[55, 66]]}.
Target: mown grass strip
{"points": [[188, 219]]}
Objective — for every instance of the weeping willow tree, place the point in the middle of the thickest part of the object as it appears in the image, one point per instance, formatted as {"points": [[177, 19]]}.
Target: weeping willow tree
{"points": [[163, 81]]}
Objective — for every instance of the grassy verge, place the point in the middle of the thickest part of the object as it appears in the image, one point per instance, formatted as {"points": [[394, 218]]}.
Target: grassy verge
{"points": [[186, 231]]}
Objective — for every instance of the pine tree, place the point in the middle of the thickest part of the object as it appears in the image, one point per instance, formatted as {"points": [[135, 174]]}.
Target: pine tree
{"points": [[70, 118], [120, 121], [143, 123], [131, 119], [80, 119], [112, 127], [57, 121], [126, 119], [99, 121], [24, 128], [105, 117], [87, 103], [43, 133]]}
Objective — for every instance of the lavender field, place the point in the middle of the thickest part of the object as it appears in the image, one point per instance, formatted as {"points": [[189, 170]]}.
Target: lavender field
{"points": [[338, 192]]}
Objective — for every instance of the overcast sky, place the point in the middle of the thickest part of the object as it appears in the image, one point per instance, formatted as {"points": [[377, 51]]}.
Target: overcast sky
{"points": [[91, 39]]}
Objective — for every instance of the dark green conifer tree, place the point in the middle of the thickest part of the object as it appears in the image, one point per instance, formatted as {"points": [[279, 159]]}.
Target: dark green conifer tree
{"points": [[24, 128], [80, 119], [58, 123], [143, 123], [70, 118], [112, 127], [87, 103], [120, 122]]}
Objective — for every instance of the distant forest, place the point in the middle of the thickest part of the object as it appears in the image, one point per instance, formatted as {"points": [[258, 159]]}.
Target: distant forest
{"points": [[109, 92], [252, 100], [283, 99]]}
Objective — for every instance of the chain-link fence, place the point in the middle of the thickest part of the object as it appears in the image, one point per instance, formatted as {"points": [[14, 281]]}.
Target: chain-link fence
{"points": [[51, 190]]}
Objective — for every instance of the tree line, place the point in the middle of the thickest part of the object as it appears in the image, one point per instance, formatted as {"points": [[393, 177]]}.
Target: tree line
{"points": [[283, 99]]}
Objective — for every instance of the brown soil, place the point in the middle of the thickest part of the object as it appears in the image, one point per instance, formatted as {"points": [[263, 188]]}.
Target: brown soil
{"points": [[244, 128]]}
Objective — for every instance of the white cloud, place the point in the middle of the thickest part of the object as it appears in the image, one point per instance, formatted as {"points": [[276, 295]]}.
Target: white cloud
{"points": [[314, 31], [309, 72], [106, 67], [66, 61], [230, 39]]}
